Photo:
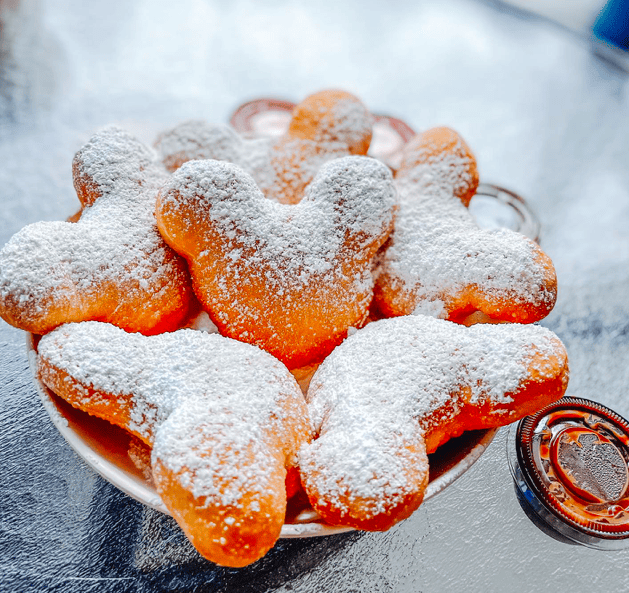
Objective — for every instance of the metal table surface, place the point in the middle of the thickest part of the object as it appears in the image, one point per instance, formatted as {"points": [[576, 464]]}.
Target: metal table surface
{"points": [[545, 118]]}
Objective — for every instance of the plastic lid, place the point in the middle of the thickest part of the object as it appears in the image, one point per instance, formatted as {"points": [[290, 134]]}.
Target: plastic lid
{"points": [[570, 462]]}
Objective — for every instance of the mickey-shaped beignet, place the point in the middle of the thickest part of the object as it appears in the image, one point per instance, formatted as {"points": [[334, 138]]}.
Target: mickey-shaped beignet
{"points": [[326, 125], [223, 417], [112, 264], [397, 389], [439, 261], [288, 278]]}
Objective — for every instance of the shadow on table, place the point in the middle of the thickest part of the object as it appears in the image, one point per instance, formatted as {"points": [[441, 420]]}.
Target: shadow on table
{"points": [[129, 541]]}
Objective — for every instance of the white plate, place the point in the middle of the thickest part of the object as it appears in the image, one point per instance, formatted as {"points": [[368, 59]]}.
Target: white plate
{"points": [[105, 448]]}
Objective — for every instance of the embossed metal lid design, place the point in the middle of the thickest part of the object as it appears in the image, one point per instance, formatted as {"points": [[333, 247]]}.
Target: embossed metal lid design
{"points": [[570, 463]]}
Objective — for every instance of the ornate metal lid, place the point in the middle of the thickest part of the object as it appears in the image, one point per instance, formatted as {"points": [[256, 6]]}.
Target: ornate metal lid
{"points": [[570, 463]]}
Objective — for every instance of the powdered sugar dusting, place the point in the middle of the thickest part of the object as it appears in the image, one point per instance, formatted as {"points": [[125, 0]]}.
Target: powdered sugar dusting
{"points": [[174, 386], [202, 322], [301, 240], [334, 118], [281, 168], [199, 140], [258, 262], [437, 252], [336, 129], [293, 165], [431, 169], [62, 271], [352, 123], [114, 165], [433, 308], [392, 381]]}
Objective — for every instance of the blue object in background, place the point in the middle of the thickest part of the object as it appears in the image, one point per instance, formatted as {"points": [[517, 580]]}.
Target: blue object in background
{"points": [[612, 24]]}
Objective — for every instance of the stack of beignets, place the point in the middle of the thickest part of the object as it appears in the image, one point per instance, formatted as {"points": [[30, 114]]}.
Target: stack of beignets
{"points": [[282, 242]]}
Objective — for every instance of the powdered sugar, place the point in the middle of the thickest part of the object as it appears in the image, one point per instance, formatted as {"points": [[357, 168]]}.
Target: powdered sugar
{"points": [[394, 381], [431, 169], [420, 362], [199, 140], [282, 168], [202, 322], [260, 264], [433, 308], [437, 249], [116, 166], [293, 165], [352, 123], [437, 252], [52, 272], [303, 240], [179, 388]]}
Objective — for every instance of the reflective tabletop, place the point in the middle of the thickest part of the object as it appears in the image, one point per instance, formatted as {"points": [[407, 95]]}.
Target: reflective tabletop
{"points": [[545, 117]]}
